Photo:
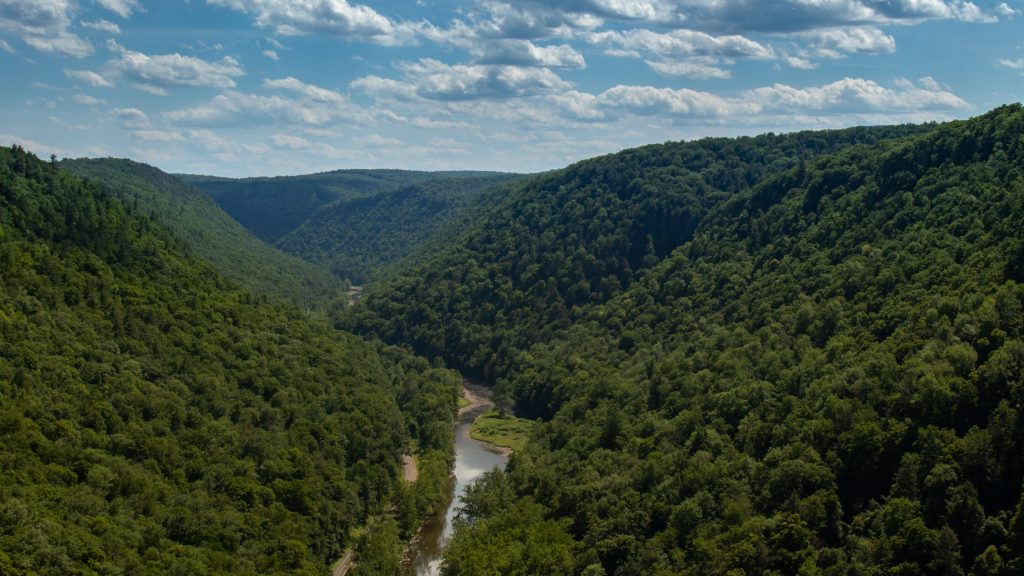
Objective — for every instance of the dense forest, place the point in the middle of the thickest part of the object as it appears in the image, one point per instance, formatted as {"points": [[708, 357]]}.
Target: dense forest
{"points": [[155, 419], [273, 207], [779, 355], [211, 233], [538, 257], [360, 238]]}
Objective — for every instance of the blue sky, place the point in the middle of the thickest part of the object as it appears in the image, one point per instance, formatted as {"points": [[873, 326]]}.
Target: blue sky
{"points": [[268, 87]]}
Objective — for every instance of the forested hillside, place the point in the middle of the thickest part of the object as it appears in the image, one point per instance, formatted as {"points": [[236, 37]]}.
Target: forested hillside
{"points": [[156, 420], [212, 233], [567, 240], [273, 207], [359, 238], [825, 377]]}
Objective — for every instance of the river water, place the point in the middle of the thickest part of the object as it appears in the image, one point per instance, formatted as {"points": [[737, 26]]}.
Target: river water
{"points": [[472, 458]]}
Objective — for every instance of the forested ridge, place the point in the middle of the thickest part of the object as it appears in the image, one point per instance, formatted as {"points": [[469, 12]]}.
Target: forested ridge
{"points": [[155, 419], [359, 239], [751, 356], [273, 207], [211, 232], [537, 257]]}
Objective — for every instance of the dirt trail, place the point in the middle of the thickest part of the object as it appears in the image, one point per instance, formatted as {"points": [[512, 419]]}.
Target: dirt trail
{"points": [[345, 564]]}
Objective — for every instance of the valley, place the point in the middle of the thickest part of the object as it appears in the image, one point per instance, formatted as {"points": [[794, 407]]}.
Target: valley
{"points": [[791, 353]]}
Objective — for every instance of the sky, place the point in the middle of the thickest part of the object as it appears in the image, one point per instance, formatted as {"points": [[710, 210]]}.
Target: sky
{"points": [[272, 87]]}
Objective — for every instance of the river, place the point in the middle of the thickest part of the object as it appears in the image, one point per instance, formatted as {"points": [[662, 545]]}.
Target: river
{"points": [[472, 458]]}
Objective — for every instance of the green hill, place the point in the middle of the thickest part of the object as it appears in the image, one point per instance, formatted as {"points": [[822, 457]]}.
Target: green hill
{"points": [[536, 259], [156, 420], [212, 233], [273, 207], [822, 377], [358, 238]]}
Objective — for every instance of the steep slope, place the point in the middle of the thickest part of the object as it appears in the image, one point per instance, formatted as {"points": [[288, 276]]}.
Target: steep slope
{"points": [[273, 207], [565, 241], [827, 379], [155, 420], [357, 238], [211, 233]]}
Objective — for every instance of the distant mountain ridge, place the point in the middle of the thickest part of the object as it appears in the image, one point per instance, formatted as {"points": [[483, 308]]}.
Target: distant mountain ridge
{"points": [[274, 206], [360, 238]]}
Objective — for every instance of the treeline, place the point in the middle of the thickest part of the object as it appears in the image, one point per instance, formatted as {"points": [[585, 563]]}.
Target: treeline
{"points": [[154, 419], [824, 377]]}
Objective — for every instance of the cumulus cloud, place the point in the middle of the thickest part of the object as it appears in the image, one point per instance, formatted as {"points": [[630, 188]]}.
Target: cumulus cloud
{"points": [[526, 53], [131, 118], [434, 80], [314, 93], [237, 108], [122, 8], [849, 95], [43, 25], [332, 17], [679, 44], [102, 26], [270, 54], [835, 42], [547, 18], [156, 73], [1015, 64], [87, 100], [89, 77], [692, 69]]}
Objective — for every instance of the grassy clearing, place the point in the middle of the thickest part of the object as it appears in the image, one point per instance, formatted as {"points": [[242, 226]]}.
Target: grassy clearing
{"points": [[463, 402], [505, 431]]}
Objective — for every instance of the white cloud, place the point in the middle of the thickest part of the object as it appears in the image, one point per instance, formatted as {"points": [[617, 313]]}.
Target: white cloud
{"points": [[37, 148], [68, 44], [314, 93], [855, 94], [43, 25], [87, 100], [679, 44], [131, 118], [6, 47], [332, 17], [834, 42], [433, 80], [92, 78], [1015, 64], [526, 53], [102, 26], [236, 108], [1005, 10], [155, 74], [270, 54], [159, 135], [692, 69], [850, 95], [122, 8]]}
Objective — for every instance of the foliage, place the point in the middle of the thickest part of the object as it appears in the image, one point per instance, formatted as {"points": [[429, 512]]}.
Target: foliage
{"points": [[156, 420], [211, 233], [818, 372], [358, 238], [537, 257]]}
